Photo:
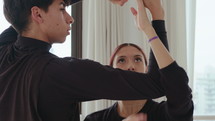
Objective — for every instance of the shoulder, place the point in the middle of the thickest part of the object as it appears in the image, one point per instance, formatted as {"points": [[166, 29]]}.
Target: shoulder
{"points": [[96, 116], [8, 36], [102, 115]]}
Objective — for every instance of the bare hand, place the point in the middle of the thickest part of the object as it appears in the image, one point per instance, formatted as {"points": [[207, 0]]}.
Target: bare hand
{"points": [[136, 117], [141, 17], [119, 2], [155, 8]]}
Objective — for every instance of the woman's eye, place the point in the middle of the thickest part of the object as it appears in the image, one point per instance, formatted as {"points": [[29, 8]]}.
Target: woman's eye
{"points": [[121, 60], [138, 59]]}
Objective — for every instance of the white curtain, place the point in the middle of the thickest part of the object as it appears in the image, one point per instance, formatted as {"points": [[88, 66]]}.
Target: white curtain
{"points": [[105, 26], [101, 34], [180, 20]]}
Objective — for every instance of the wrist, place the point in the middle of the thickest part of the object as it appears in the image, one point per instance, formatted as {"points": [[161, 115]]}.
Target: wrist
{"points": [[153, 38], [150, 32], [157, 14]]}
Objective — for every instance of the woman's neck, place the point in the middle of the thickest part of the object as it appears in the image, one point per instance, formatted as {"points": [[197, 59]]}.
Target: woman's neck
{"points": [[126, 108]]}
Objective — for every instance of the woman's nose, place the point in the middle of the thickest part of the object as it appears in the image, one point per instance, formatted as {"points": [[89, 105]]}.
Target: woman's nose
{"points": [[131, 67]]}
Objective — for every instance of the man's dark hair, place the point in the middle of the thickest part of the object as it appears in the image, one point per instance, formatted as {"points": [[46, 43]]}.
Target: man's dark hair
{"points": [[17, 12]]}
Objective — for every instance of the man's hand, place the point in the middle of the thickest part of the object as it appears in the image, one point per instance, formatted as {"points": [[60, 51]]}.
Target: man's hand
{"points": [[155, 9], [119, 2], [136, 117]]}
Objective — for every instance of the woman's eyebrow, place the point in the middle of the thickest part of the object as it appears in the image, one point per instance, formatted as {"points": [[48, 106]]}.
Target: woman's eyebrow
{"points": [[138, 56], [121, 56]]}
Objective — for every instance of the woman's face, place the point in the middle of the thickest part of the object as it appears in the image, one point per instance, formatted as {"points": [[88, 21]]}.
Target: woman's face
{"points": [[130, 58]]}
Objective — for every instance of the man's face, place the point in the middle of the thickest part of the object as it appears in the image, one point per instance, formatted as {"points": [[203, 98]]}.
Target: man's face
{"points": [[56, 22]]}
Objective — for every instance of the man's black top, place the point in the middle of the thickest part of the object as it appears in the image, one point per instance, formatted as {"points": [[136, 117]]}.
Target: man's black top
{"points": [[178, 107], [36, 85]]}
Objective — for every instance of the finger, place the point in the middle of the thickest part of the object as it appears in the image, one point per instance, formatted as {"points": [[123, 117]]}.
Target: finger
{"points": [[140, 5], [122, 2], [145, 117], [133, 11], [142, 117]]}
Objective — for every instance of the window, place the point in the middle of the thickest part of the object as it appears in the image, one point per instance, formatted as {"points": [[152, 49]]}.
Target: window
{"points": [[204, 65], [4, 23]]}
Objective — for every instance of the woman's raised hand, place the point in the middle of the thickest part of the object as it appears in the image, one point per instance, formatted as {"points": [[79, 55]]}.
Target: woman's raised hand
{"points": [[141, 17], [119, 2]]}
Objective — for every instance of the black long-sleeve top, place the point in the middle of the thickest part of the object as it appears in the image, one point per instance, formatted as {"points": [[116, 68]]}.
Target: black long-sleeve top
{"points": [[179, 104], [36, 85]]}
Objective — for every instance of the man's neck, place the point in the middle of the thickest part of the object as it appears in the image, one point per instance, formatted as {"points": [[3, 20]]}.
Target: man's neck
{"points": [[35, 34]]}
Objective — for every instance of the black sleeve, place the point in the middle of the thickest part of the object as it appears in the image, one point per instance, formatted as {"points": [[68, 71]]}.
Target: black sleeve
{"points": [[159, 26], [85, 80], [107, 114], [96, 116], [153, 69], [179, 98], [8, 36], [174, 80]]}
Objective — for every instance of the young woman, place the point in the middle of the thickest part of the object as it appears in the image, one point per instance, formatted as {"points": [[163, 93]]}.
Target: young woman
{"points": [[179, 105]]}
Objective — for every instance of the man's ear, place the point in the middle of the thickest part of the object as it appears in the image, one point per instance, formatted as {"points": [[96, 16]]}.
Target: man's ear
{"points": [[36, 14]]}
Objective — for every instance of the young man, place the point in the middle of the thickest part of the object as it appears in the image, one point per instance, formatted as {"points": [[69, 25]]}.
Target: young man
{"points": [[36, 85]]}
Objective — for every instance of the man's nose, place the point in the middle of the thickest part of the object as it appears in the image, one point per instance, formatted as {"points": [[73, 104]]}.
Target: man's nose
{"points": [[70, 19]]}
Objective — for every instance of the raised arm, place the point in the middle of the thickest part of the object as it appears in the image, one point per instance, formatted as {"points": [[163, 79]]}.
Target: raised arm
{"points": [[158, 24], [175, 81], [161, 53]]}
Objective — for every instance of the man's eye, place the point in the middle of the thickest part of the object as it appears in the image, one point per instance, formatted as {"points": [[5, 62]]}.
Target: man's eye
{"points": [[62, 9]]}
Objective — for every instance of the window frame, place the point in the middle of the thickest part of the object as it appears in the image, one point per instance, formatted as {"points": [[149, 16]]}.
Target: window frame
{"points": [[76, 46]]}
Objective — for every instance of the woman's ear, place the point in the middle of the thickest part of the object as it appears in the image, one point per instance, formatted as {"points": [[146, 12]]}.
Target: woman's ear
{"points": [[36, 14]]}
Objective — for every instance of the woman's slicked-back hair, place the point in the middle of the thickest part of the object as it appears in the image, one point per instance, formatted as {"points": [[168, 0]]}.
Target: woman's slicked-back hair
{"points": [[124, 45], [17, 12]]}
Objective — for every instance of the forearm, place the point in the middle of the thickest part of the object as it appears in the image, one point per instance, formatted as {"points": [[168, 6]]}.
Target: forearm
{"points": [[113, 83], [159, 26], [161, 54]]}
